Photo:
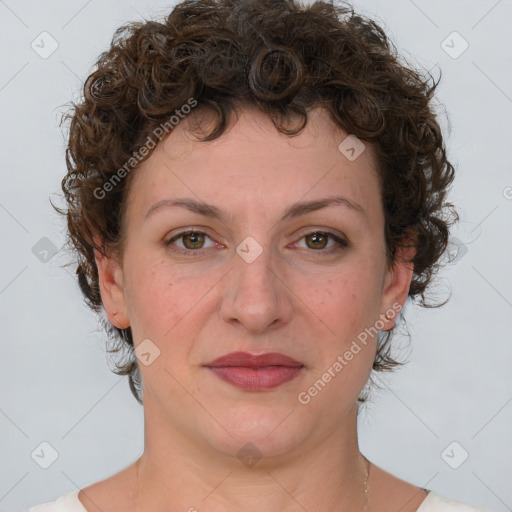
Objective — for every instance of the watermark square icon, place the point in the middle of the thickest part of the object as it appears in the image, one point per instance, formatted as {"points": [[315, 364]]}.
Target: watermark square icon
{"points": [[454, 45], [351, 147], [146, 352], [44, 455], [454, 455], [44, 45], [249, 249], [44, 249], [249, 455], [456, 250]]}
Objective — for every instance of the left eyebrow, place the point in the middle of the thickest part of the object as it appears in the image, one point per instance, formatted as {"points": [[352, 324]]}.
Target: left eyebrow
{"points": [[304, 207], [297, 209]]}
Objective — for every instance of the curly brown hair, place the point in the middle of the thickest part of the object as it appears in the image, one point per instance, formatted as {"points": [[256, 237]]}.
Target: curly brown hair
{"points": [[285, 59]]}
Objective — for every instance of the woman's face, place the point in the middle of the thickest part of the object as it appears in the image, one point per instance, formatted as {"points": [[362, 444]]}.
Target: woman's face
{"points": [[259, 275]]}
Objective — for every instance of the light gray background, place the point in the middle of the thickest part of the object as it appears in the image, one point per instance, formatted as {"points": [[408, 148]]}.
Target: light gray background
{"points": [[55, 379]]}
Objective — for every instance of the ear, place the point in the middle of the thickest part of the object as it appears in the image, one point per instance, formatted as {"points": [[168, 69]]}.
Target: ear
{"points": [[110, 276], [397, 284]]}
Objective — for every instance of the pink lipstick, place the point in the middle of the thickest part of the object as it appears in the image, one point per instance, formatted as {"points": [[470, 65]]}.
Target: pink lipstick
{"points": [[255, 372]]}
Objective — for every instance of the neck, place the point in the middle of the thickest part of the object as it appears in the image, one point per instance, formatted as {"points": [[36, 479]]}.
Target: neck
{"points": [[179, 473]]}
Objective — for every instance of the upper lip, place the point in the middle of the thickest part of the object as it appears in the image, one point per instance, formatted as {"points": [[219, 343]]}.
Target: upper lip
{"points": [[244, 359]]}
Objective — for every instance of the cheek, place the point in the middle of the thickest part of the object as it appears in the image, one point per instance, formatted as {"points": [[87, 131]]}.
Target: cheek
{"points": [[347, 306], [346, 303], [159, 298]]}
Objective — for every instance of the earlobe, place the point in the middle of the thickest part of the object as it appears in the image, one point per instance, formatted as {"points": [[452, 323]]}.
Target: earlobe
{"points": [[110, 277]]}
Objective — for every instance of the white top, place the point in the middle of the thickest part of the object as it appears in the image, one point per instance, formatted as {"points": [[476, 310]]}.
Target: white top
{"points": [[432, 503]]}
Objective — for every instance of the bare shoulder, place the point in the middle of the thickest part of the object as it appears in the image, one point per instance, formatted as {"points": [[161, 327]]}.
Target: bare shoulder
{"points": [[389, 493], [111, 494]]}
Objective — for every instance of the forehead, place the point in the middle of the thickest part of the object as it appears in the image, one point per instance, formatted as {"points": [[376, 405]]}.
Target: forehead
{"points": [[252, 128], [253, 165]]}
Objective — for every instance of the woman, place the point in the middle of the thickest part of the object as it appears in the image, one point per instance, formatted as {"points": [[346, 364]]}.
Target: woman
{"points": [[254, 191]]}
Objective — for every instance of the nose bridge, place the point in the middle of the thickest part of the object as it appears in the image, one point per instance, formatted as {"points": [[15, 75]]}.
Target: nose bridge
{"points": [[255, 296]]}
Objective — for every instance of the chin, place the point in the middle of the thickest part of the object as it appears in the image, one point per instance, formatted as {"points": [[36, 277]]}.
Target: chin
{"points": [[257, 431]]}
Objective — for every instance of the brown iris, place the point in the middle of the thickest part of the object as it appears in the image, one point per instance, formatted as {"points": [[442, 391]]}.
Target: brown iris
{"points": [[196, 240], [319, 240]]}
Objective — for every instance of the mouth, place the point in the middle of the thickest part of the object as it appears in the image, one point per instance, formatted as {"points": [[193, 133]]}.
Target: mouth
{"points": [[255, 372]]}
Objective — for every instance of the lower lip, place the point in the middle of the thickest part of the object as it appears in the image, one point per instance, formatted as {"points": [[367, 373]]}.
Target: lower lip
{"points": [[256, 379]]}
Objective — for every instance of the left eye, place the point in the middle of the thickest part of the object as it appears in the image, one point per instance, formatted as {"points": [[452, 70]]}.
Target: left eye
{"points": [[319, 240]]}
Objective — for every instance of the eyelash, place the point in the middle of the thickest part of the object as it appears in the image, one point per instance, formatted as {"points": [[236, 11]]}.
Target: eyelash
{"points": [[342, 244]]}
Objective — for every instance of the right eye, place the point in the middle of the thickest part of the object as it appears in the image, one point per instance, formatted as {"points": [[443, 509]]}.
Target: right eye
{"points": [[191, 241]]}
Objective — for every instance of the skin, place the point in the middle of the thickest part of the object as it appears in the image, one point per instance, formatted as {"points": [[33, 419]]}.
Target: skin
{"points": [[305, 302]]}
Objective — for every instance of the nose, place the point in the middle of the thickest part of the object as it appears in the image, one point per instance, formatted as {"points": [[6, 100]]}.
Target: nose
{"points": [[255, 294]]}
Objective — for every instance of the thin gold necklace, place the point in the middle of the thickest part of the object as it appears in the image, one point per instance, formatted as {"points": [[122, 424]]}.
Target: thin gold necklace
{"points": [[366, 463]]}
